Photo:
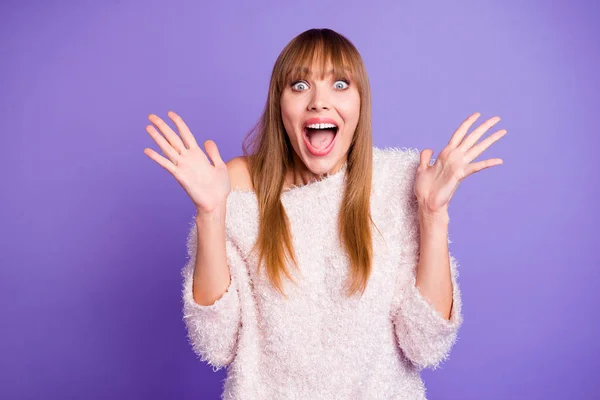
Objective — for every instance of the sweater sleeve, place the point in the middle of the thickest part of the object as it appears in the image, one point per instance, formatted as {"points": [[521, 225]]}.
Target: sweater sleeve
{"points": [[212, 330], [423, 334]]}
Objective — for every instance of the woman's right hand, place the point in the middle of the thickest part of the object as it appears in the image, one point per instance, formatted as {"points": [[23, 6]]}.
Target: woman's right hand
{"points": [[208, 186]]}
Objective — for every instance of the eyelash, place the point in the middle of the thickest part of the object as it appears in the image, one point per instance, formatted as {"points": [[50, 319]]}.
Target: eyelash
{"points": [[347, 81]]}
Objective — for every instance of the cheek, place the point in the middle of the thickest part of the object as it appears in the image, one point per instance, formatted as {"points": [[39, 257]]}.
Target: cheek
{"points": [[286, 115], [350, 110], [290, 111], [290, 121]]}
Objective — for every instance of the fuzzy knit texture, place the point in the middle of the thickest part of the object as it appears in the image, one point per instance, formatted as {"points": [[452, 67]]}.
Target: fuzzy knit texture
{"points": [[320, 344]]}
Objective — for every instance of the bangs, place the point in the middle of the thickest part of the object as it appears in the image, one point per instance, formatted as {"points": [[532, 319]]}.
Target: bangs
{"points": [[302, 71], [314, 56]]}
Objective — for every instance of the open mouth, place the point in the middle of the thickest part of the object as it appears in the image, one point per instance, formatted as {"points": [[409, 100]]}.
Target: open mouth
{"points": [[320, 136]]}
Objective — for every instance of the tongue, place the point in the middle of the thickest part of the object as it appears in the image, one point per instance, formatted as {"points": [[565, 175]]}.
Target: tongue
{"points": [[320, 138]]}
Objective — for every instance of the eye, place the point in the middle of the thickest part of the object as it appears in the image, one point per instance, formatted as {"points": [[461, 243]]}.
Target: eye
{"points": [[298, 85], [339, 84]]}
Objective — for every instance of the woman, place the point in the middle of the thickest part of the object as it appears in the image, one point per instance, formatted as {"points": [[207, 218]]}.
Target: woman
{"points": [[370, 295]]}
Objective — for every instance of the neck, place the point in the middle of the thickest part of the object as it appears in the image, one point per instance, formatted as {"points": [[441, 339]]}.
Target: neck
{"points": [[300, 175]]}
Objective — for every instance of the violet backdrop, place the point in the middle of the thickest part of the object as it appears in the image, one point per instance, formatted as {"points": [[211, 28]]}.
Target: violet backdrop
{"points": [[93, 231]]}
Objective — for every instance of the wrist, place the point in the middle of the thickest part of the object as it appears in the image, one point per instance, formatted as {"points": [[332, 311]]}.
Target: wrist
{"points": [[218, 213], [434, 217]]}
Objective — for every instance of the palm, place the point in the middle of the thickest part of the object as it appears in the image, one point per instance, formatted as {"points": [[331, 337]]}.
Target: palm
{"points": [[207, 185], [435, 184]]}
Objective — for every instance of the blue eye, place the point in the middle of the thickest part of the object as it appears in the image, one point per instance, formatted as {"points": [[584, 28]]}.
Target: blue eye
{"points": [[295, 85], [339, 84], [345, 82]]}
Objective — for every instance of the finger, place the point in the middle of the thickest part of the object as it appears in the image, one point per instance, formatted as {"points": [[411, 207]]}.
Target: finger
{"points": [[163, 162], [478, 133], [481, 165], [186, 135], [165, 146], [213, 151], [425, 158], [479, 148], [166, 130], [461, 131]]}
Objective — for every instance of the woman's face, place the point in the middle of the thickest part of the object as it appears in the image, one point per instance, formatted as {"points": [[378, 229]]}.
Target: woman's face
{"points": [[306, 102]]}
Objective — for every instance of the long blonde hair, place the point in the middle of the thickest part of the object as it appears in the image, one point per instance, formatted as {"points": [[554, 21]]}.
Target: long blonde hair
{"points": [[271, 156]]}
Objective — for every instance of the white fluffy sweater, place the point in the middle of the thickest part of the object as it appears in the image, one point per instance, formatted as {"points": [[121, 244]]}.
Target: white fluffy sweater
{"points": [[319, 344]]}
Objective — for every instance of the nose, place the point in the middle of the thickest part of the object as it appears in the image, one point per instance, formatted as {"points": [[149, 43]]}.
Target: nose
{"points": [[319, 100]]}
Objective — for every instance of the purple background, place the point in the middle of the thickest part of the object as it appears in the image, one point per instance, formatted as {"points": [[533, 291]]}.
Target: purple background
{"points": [[93, 231]]}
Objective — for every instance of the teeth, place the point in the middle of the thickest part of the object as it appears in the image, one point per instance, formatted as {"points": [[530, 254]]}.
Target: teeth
{"points": [[321, 126]]}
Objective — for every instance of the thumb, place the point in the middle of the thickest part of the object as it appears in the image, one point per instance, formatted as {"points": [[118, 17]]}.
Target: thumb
{"points": [[426, 158], [213, 152]]}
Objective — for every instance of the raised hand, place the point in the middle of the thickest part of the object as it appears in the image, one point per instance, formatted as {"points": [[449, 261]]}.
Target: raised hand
{"points": [[435, 185], [207, 185]]}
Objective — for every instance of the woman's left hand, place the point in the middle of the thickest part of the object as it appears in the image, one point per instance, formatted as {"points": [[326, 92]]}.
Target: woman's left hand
{"points": [[435, 185]]}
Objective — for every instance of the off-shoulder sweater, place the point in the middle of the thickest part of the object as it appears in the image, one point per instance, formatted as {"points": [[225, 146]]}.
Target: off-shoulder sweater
{"points": [[318, 343]]}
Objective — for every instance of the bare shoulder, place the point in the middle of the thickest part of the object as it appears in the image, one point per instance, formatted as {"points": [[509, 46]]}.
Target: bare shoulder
{"points": [[239, 173]]}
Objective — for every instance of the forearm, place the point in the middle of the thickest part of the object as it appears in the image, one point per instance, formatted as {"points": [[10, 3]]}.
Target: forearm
{"points": [[211, 272], [434, 279]]}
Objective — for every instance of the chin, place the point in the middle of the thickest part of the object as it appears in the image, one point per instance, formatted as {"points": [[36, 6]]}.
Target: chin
{"points": [[321, 166]]}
